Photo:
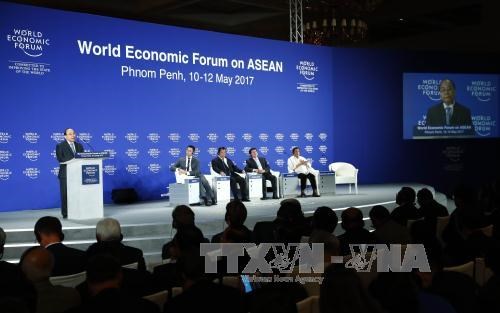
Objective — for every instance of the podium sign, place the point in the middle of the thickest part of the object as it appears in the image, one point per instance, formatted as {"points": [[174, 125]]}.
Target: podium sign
{"points": [[254, 185], [84, 185], [222, 188], [327, 182], [185, 193]]}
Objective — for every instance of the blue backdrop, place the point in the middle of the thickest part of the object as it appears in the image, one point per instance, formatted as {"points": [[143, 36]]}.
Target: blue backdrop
{"points": [[143, 92]]}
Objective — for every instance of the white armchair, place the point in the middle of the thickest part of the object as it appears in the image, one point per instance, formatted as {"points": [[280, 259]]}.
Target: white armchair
{"points": [[345, 173]]}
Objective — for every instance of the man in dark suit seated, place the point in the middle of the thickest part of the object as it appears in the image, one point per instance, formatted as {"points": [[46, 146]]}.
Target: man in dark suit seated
{"points": [[406, 210], [67, 261], [225, 167], [66, 151], [430, 209], [355, 233], [448, 111], [36, 263], [201, 294], [104, 281], [256, 164], [109, 237], [190, 166]]}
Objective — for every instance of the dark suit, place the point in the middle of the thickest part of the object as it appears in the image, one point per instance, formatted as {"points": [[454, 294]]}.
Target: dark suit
{"points": [[436, 115], [206, 191], [231, 170], [125, 254], [252, 165], [64, 154], [67, 260]]}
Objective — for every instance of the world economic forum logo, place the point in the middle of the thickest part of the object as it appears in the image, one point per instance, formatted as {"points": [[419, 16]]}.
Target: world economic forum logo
{"points": [[482, 90], [264, 150], [132, 137], [5, 173], [309, 136], [57, 136], [154, 152], [212, 151], [279, 149], [112, 153], [323, 136], [154, 168], [174, 137], [307, 69], [85, 137], [132, 169], [263, 137], [4, 137], [175, 152], [53, 154], [5, 155], [309, 149], [55, 171], [230, 137], [31, 172], [194, 137], [247, 137], [109, 169], [279, 136], [109, 137], [323, 148], [294, 136], [153, 137], [31, 155], [430, 88], [31, 42], [132, 153], [230, 151], [279, 162], [31, 137], [212, 137], [323, 160]]}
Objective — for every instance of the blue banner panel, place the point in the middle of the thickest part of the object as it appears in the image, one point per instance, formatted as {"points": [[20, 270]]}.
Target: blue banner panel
{"points": [[143, 92]]}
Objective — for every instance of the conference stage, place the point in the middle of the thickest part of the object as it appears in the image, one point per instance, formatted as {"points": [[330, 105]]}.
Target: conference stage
{"points": [[148, 225]]}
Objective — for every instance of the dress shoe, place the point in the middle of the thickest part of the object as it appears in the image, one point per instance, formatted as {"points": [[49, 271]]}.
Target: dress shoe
{"points": [[214, 202], [302, 195], [315, 194], [205, 200], [275, 197], [246, 200], [264, 198]]}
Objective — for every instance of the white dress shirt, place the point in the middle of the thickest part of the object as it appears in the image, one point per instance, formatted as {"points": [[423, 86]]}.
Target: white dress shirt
{"points": [[293, 165], [259, 166]]}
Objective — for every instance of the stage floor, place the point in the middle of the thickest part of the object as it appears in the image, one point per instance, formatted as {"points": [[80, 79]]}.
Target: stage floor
{"points": [[145, 223]]}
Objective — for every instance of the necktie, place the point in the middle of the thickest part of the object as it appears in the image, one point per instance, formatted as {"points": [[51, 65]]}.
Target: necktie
{"points": [[228, 171], [72, 145], [189, 165], [448, 115]]}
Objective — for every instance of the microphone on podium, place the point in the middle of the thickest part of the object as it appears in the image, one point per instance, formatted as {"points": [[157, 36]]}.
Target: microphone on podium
{"points": [[88, 144]]}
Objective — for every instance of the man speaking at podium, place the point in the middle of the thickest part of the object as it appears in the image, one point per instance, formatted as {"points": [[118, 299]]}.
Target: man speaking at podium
{"points": [[66, 151]]}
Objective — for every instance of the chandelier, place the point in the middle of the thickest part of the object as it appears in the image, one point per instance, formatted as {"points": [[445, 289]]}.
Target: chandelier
{"points": [[336, 22]]}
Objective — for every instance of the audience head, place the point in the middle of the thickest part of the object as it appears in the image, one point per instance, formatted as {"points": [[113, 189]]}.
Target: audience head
{"points": [[325, 219], [290, 210], [103, 272], [108, 229], [236, 213], [405, 196], [37, 264], [379, 215], [424, 197], [48, 229], [182, 215], [187, 238], [2, 241], [465, 198], [352, 219]]}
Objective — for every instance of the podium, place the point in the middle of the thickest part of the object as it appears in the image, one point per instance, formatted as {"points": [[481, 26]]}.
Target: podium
{"points": [[84, 185], [187, 192], [327, 182], [254, 182]]}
